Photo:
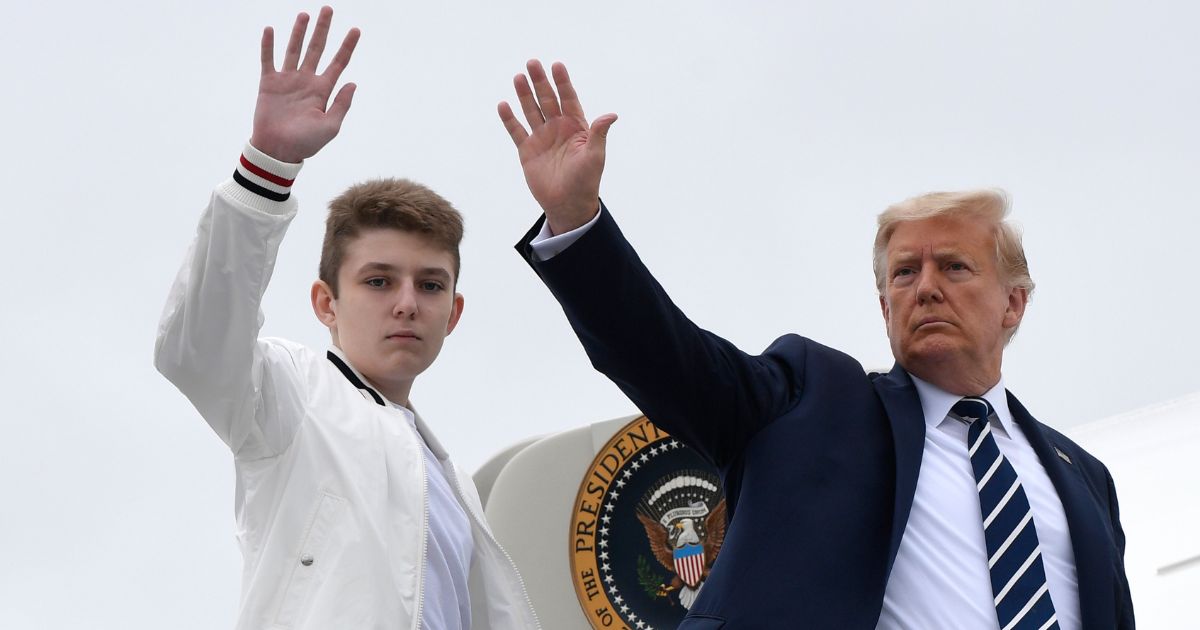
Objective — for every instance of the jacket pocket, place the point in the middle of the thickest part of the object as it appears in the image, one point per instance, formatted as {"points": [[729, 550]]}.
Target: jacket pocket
{"points": [[307, 562], [704, 622]]}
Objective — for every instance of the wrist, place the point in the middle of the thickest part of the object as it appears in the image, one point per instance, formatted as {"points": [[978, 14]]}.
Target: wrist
{"points": [[275, 150], [563, 220]]}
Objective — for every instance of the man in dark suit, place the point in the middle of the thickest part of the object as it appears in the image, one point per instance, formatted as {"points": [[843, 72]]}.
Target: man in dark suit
{"points": [[927, 497]]}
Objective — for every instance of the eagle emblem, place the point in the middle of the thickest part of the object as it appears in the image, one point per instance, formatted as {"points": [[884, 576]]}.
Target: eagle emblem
{"points": [[684, 518]]}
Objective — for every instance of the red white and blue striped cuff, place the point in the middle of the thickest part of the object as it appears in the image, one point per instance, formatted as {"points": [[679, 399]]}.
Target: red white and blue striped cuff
{"points": [[265, 176]]}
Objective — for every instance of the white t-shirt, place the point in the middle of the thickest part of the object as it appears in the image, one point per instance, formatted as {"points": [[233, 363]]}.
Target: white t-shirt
{"points": [[448, 549]]}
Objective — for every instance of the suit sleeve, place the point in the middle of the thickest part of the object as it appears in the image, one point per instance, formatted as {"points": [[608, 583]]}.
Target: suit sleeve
{"points": [[691, 382], [1124, 600], [245, 388]]}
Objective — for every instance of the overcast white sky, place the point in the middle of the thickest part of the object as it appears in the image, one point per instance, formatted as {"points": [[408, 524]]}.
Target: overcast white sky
{"points": [[757, 142]]}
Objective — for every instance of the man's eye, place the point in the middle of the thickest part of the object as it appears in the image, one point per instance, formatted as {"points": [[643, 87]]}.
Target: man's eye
{"points": [[956, 266], [431, 286], [378, 283], [903, 276]]}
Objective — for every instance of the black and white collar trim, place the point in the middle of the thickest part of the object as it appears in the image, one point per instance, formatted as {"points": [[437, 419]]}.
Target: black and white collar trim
{"points": [[353, 377]]}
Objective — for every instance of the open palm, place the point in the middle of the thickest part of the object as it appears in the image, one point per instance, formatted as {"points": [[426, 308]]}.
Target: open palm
{"points": [[293, 118], [561, 155]]}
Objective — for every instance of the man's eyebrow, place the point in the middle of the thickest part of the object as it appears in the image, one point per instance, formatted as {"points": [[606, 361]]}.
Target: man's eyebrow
{"points": [[952, 252], [940, 253], [904, 254]]}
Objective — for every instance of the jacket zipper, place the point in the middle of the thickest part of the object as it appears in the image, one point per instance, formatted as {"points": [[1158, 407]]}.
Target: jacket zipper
{"points": [[424, 533], [486, 530]]}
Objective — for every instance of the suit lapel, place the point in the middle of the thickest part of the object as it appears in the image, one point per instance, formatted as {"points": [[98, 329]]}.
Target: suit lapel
{"points": [[899, 398], [1090, 539]]}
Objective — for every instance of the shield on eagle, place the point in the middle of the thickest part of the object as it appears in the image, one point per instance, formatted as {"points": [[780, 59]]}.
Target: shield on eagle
{"points": [[689, 564]]}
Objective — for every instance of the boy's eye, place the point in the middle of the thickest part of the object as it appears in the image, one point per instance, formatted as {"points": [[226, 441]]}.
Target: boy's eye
{"points": [[377, 282], [430, 285]]}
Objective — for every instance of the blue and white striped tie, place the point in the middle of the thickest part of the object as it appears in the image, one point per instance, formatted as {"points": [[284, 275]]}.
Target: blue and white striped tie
{"points": [[1022, 597]]}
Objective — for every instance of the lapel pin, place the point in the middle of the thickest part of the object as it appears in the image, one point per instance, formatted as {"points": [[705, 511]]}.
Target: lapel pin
{"points": [[1062, 455]]}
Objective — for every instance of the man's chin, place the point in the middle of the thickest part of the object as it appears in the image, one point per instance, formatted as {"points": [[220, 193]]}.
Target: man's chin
{"points": [[932, 352]]}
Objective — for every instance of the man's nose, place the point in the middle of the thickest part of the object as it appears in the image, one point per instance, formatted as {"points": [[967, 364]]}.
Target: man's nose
{"points": [[929, 285]]}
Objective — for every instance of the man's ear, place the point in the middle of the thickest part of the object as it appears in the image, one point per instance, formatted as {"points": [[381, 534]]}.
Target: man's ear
{"points": [[1018, 299], [324, 304], [883, 307], [455, 313]]}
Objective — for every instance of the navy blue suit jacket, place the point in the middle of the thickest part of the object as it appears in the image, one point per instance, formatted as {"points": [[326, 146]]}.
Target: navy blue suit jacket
{"points": [[819, 459]]}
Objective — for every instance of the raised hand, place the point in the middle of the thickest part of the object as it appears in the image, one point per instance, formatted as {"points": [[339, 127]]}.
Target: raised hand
{"points": [[291, 119], [562, 156]]}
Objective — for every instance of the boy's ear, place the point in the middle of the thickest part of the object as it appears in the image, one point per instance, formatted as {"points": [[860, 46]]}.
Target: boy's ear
{"points": [[323, 304], [456, 313]]}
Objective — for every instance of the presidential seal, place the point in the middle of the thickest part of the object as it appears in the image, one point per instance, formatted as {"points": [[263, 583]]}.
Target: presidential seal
{"points": [[648, 523]]}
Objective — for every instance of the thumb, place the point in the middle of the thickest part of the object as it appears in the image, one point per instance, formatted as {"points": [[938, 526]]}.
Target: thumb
{"points": [[598, 134], [341, 103]]}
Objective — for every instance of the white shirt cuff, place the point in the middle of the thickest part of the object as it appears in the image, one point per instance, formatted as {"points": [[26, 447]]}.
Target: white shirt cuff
{"points": [[547, 245]]}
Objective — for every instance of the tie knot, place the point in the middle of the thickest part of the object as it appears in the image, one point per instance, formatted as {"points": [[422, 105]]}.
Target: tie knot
{"points": [[971, 409]]}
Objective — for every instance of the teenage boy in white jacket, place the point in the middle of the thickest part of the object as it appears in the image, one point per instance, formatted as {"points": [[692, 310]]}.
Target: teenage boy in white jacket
{"points": [[350, 514]]}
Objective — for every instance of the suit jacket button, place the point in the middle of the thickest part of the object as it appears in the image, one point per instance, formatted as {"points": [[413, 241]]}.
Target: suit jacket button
{"points": [[306, 559]]}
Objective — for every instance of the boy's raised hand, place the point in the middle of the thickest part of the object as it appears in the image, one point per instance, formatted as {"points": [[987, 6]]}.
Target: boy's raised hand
{"points": [[562, 156], [293, 118]]}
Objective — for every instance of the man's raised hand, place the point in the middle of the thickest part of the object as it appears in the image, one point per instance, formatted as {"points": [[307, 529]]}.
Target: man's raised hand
{"points": [[293, 118], [562, 156]]}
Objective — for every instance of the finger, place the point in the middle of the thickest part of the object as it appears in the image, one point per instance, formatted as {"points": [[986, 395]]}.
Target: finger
{"points": [[316, 45], [541, 86], [533, 114], [291, 57], [268, 50], [515, 129], [598, 134], [341, 103], [342, 58], [566, 92]]}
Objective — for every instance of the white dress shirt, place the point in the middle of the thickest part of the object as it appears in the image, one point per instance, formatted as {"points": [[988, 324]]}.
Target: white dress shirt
{"points": [[940, 578]]}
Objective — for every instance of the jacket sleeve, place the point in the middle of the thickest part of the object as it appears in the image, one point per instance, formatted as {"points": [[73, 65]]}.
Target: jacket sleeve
{"points": [[687, 380], [1124, 601], [245, 388]]}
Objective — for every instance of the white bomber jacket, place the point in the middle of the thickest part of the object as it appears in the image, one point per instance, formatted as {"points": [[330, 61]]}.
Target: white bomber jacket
{"points": [[331, 498]]}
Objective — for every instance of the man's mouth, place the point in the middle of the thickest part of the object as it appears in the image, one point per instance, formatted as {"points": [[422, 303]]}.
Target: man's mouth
{"points": [[403, 335], [930, 321]]}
